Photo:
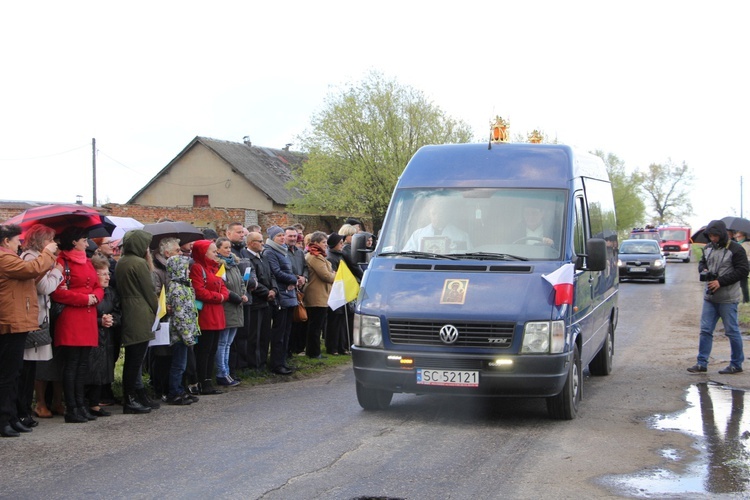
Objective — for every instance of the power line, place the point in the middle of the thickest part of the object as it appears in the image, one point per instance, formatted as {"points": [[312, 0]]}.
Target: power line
{"points": [[45, 156]]}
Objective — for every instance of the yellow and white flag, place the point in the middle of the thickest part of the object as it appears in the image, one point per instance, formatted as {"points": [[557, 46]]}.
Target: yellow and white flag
{"points": [[345, 287], [222, 272], [162, 310]]}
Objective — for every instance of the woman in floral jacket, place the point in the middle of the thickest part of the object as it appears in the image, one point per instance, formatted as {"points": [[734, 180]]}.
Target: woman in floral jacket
{"points": [[183, 326]]}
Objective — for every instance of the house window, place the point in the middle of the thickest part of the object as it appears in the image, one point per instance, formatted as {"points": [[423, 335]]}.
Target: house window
{"points": [[200, 200]]}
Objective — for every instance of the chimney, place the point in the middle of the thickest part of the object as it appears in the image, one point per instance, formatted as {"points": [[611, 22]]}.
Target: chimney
{"points": [[286, 147], [246, 140], [79, 199]]}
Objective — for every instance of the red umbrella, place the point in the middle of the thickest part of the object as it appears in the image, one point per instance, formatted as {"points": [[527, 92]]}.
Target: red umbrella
{"points": [[60, 216]]}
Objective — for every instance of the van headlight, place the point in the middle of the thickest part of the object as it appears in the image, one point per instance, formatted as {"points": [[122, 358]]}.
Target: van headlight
{"points": [[367, 331], [541, 337]]}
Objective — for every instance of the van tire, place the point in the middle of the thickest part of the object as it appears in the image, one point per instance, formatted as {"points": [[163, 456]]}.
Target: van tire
{"points": [[373, 399], [564, 406], [602, 363]]}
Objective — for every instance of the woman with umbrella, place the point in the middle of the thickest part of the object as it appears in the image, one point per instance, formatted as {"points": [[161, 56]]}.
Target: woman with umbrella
{"points": [[19, 314], [76, 330]]}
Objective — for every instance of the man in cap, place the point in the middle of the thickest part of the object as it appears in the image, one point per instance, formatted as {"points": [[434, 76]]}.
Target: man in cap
{"points": [[723, 265]]}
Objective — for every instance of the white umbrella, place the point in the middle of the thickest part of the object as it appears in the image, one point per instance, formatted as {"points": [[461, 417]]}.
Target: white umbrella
{"points": [[123, 225]]}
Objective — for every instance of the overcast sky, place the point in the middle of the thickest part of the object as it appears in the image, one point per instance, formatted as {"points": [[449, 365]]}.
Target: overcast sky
{"points": [[648, 81]]}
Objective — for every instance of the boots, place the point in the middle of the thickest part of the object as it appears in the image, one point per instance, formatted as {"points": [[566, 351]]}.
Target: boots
{"points": [[131, 405], [142, 396], [84, 412], [207, 388]]}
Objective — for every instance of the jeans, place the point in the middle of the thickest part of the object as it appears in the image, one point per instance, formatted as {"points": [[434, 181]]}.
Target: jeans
{"points": [[226, 337], [177, 368], [709, 317]]}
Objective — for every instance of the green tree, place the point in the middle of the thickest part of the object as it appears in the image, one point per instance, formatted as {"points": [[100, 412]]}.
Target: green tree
{"points": [[629, 206], [667, 188], [360, 143]]}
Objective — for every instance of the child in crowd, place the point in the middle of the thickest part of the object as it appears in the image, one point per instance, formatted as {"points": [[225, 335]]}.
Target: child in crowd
{"points": [[183, 326]]}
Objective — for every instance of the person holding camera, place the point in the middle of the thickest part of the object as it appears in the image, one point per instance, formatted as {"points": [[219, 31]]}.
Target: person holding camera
{"points": [[722, 267]]}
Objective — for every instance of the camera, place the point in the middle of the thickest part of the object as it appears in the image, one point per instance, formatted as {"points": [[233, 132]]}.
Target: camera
{"points": [[708, 276]]}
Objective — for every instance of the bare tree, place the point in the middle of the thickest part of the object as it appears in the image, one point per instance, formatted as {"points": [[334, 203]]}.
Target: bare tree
{"points": [[668, 191]]}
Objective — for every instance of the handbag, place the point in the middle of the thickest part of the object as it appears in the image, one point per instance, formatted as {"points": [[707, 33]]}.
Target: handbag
{"points": [[40, 337], [300, 313]]}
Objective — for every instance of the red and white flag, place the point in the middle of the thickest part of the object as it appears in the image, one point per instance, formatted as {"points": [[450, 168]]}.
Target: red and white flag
{"points": [[562, 281]]}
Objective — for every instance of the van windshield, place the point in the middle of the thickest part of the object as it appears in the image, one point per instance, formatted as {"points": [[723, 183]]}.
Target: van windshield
{"points": [[481, 223]]}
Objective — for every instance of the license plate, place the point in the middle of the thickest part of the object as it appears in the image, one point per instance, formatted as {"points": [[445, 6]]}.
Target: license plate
{"points": [[449, 378], [638, 270]]}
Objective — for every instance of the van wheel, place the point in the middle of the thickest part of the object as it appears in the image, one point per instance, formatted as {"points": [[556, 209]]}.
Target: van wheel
{"points": [[686, 260], [373, 399], [564, 406], [602, 362]]}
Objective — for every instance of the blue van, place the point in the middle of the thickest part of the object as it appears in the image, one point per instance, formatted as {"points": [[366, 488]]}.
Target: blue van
{"points": [[495, 274]]}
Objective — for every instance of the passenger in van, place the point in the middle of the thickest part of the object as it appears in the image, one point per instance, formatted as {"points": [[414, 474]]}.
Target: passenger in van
{"points": [[438, 236], [533, 229]]}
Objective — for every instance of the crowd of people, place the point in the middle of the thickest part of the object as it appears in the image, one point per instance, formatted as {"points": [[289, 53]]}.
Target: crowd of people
{"points": [[230, 303]]}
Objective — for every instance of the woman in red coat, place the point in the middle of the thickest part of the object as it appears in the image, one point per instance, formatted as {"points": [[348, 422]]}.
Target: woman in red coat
{"points": [[211, 290], [76, 330]]}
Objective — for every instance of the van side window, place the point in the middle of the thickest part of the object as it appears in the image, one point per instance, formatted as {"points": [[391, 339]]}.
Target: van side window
{"points": [[579, 231]]}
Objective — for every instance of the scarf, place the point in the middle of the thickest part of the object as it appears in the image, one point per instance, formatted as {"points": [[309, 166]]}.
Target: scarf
{"points": [[315, 249], [77, 256], [279, 248], [228, 261]]}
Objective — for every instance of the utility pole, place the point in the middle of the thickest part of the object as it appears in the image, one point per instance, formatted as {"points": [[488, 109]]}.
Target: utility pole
{"points": [[93, 161], [741, 191]]}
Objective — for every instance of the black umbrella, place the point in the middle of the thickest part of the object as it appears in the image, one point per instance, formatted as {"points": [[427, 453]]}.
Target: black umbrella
{"points": [[737, 224], [700, 236], [186, 233]]}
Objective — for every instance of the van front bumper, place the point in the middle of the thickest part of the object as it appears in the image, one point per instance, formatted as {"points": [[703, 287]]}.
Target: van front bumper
{"points": [[525, 376]]}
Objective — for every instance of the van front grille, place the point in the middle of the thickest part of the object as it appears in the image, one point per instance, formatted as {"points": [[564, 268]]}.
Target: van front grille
{"points": [[427, 333]]}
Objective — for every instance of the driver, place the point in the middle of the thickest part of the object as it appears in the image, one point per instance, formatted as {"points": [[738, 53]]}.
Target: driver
{"points": [[532, 230], [427, 239]]}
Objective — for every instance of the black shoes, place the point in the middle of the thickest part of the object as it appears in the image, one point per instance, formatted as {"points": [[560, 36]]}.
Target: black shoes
{"points": [[74, 417], [132, 406], [730, 370], [143, 398], [208, 389], [28, 421], [283, 371], [18, 426], [101, 412], [698, 369], [7, 431], [179, 400]]}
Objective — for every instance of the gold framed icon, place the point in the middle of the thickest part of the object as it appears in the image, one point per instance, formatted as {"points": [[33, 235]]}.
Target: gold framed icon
{"points": [[454, 291]]}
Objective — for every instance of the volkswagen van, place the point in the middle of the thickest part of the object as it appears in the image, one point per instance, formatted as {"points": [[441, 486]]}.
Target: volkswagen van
{"points": [[495, 275]]}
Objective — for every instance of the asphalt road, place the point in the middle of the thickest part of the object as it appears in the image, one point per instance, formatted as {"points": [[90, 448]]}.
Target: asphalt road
{"points": [[309, 439]]}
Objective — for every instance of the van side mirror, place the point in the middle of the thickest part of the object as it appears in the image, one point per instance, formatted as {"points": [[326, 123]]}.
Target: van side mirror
{"points": [[595, 258], [359, 248]]}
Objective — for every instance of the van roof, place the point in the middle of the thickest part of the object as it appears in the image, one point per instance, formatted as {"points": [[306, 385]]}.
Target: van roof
{"points": [[502, 165]]}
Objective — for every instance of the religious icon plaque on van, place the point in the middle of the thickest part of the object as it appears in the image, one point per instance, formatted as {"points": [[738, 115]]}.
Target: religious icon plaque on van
{"points": [[454, 291]]}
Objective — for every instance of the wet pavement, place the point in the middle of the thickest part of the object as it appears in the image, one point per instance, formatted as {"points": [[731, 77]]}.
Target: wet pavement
{"points": [[717, 420]]}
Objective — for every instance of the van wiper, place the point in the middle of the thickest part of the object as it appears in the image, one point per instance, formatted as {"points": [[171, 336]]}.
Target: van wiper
{"points": [[489, 256], [420, 255]]}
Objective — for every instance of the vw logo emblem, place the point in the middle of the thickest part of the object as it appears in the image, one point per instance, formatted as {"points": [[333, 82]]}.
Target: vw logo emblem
{"points": [[449, 334]]}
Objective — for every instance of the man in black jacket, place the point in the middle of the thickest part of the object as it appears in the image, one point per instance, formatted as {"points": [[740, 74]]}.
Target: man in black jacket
{"points": [[257, 315], [298, 336], [723, 266]]}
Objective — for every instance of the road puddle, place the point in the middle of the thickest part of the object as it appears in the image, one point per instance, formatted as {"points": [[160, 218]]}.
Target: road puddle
{"points": [[716, 418]]}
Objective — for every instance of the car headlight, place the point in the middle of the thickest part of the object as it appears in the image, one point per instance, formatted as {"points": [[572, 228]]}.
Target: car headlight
{"points": [[367, 331], [619, 263], [658, 263], [543, 336]]}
